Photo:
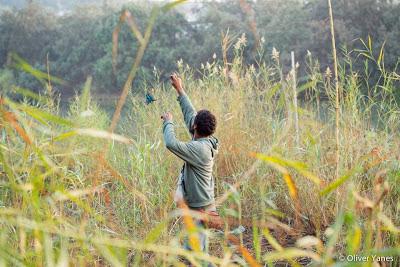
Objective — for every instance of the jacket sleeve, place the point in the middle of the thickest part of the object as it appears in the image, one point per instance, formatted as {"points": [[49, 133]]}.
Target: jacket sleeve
{"points": [[189, 113], [185, 151]]}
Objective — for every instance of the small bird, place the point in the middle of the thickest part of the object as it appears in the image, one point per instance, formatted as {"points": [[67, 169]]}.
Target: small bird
{"points": [[149, 98]]}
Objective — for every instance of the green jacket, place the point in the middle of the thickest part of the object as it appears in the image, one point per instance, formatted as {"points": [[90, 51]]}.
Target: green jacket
{"points": [[198, 154]]}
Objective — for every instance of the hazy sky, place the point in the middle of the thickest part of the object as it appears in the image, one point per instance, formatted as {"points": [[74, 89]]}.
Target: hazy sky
{"points": [[61, 4]]}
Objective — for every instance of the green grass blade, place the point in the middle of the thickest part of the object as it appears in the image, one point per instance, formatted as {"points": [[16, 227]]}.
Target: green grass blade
{"points": [[338, 182], [65, 135], [171, 5], [40, 115], [28, 93], [298, 166], [40, 75]]}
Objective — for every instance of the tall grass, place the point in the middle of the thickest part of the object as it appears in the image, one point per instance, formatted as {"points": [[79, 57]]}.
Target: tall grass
{"points": [[337, 87], [63, 202]]}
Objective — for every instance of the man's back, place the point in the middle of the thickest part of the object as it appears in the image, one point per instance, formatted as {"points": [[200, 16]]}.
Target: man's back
{"points": [[198, 154]]}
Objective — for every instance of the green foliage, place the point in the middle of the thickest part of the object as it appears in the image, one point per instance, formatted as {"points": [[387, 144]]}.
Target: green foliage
{"points": [[79, 42]]}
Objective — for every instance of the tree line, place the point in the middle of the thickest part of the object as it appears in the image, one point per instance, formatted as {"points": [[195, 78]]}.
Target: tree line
{"points": [[78, 44]]}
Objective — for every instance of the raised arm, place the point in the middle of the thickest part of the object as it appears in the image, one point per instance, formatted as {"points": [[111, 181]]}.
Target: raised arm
{"points": [[189, 112], [185, 151]]}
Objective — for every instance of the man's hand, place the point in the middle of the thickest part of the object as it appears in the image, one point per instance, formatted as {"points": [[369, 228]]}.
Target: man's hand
{"points": [[177, 84], [167, 116]]}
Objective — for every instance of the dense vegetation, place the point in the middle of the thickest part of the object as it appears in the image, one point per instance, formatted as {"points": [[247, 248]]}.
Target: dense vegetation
{"points": [[79, 43], [74, 194]]}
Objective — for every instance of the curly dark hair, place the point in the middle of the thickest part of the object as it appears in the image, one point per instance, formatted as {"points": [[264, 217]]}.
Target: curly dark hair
{"points": [[205, 122]]}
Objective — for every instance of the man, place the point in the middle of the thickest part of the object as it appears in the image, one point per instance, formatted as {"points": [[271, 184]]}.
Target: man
{"points": [[196, 182]]}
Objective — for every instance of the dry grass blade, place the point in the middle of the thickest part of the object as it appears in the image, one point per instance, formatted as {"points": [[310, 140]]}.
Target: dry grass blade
{"points": [[135, 29], [134, 68], [309, 242], [226, 43], [115, 36], [139, 55], [127, 17], [291, 185], [291, 254], [337, 93], [249, 11], [248, 257], [101, 134], [190, 227], [387, 222], [12, 120], [243, 250]]}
